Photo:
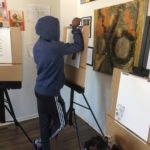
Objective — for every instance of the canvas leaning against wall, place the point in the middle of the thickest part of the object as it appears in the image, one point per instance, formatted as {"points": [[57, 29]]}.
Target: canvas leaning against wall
{"points": [[118, 36]]}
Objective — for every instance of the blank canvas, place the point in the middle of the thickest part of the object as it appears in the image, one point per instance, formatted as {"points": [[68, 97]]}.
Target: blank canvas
{"points": [[134, 102]]}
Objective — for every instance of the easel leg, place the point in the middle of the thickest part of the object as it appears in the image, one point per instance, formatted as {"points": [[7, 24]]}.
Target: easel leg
{"points": [[93, 114], [11, 112], [2, 108], [77, 131], [71, 112], [80, 90]]}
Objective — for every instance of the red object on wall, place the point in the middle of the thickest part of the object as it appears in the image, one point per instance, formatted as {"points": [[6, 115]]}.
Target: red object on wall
{"points": [[3, 11], [16, 19]]}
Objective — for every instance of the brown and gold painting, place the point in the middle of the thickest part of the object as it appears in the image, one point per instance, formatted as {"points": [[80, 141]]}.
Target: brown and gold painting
{"points": [[85, 1], [118, 34]]}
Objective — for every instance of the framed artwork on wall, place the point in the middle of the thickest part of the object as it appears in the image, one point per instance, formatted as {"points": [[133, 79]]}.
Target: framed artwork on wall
{"points": [[87, 21], [3, 11], [118, 34], [85, 1], [90, 56], [16, 19]]}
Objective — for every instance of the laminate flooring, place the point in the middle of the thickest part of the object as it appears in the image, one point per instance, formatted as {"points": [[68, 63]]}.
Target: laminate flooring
{"points": [[12, 138]]}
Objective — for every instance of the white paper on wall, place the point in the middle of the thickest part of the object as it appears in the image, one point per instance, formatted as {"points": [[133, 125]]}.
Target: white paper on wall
{"points": [[35, 11], [133, 104], [5, 46], [73, 59]]}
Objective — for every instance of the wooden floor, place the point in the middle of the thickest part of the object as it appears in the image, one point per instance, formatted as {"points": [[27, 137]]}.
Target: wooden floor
{"points": [[12, 138]]}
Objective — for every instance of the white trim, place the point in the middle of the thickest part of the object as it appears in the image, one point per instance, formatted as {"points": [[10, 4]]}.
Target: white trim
{"points": [[61, 117]]}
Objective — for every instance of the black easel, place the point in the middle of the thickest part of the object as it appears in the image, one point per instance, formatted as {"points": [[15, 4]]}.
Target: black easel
{"points": [[71, 110], [4, 98]]}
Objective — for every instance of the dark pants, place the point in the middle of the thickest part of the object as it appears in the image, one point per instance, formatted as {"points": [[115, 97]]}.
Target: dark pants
{"points": [[52, 116]]}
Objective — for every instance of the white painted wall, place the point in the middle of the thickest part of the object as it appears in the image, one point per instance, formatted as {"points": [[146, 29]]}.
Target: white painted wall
{"points": [[23, 100], [68, 10]]}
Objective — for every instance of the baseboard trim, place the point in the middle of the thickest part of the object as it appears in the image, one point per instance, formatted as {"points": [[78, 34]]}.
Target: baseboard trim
{"points": [[21, 119]]}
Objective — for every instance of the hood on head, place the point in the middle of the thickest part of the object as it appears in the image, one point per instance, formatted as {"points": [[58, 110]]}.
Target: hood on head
{"points": [[48, 28]]}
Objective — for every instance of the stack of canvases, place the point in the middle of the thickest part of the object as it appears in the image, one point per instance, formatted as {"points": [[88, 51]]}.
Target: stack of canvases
{"points": [[123, 135]]}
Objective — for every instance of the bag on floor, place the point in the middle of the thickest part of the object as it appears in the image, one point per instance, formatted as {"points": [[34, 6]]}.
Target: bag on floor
{"points": [[100, 143]]}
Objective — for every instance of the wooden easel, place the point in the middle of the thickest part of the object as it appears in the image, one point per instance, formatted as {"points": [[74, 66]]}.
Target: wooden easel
{"points": [[75, 80], [73, 74]]}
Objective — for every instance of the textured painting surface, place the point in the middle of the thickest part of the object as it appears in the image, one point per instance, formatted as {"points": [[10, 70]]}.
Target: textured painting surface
{"points": [[85, 1], [118, 36]]}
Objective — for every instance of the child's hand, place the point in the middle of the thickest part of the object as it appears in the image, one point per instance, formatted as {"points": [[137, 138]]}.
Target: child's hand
{"points": [[76, 22]]}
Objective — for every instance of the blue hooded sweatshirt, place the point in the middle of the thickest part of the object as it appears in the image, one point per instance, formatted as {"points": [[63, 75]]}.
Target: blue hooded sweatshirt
{"points": [[49, 54]]}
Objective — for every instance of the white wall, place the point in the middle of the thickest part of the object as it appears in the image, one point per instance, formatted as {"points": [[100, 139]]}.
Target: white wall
{"points": [[23, 100], [68, 10]]}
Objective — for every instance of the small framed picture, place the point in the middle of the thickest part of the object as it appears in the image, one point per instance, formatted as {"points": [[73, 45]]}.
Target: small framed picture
{"points": [[87, 21], [16, 19], [90, 56]]}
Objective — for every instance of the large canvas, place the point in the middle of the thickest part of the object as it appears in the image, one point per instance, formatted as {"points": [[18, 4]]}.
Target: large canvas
{"points": [[118, 36], [72, 59]]}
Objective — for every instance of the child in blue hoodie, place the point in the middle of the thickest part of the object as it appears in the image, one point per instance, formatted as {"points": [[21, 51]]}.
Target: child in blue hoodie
{"points": [[49, 58]]}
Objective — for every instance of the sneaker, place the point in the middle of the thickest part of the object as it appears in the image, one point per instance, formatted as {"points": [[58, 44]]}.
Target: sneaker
{"points": [[37, 144]]}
